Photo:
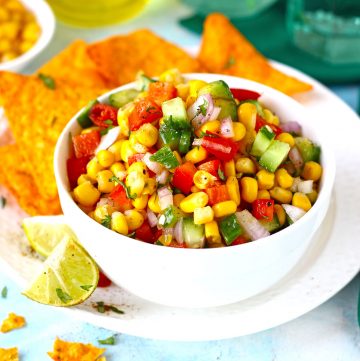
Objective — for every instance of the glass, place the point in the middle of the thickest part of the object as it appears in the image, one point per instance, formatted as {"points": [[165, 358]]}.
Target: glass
{"points": [[230, 8], [90, 13], [329, 29]]}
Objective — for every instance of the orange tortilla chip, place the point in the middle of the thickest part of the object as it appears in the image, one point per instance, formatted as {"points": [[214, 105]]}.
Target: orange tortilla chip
{"points": [[9, 354], [12, 322], [225, 50], [9, 83], [75, 351], [75, 66], [119, 58], [15, 175], [37, 115]]}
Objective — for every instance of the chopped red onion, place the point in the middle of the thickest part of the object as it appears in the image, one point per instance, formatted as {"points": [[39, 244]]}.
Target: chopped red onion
{"points": [[178, 231], [168, 231], [294, 213], [296, 157], [153, 166], [294, 187], [108, 139], [226, 128], [165, 197], [251, 225], [152, 219], [215, 113], [162, 177], [197, 142], [305, 186], [203, 104], [291, 127], [105, 202]]}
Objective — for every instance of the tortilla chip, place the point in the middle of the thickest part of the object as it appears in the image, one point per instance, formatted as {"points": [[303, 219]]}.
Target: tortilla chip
{"points": [[9, 354], [9, 83], [74, 351], [37, 115], [75, 66], [225, 50], [15, 175], [119, 58], [12, 322]]}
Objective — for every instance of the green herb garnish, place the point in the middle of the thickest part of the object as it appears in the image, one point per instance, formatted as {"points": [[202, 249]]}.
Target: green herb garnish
{"points": [[165, 157], [203, 108], [230, 62], [102, 307], [64, 297], [86, 287], [108, 341], [221, 174], [106, 130], [47, 80], [4, 292], [2, 202], [108, 122], [116, 310], [127, 189], [106, 221]]}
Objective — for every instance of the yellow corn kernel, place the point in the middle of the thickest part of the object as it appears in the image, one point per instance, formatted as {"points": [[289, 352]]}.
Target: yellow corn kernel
{"points": [[150, 186], [177, 156], [116, 149], [195, 86], [126, 150], [165, 239], [196, 155], [123, 118], [270, 117], [172, 76], [203, 179], [245, 165], [26, 45], [211, 126], [203, 215], [312, 196], [265, 179], [281, 195], [239, 131], [212, 233], [142, 94], [194, 189], [194, 200], [118, 169], [154, 204], [138, 167], [300, 200], [89, 130], [101, 212], [147, 135], [5, 45], [119, 224], [134, 219], [229, 168], [135, 181], [247, 115], [105, 185], [135, 145], [286, 138], [31, 31], [283, 178], [312, 171], [86, 194], [280, 213], [263, 194], [182, 91], [177, 199], [83, 178], [249, 189], [4, 15], [93, 168], [225, 208], [233, 189], [190, 100], [140, 202], [105, 158]]}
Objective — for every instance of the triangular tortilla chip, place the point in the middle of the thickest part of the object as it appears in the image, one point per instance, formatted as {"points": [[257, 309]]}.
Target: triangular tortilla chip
{"points": [[9, 84], [119, 58], [9, 354], [225, 50]]}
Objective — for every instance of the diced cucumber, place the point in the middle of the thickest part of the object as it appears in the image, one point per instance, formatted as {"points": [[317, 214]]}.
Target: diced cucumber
{"points": [[274, 155], [174, 110], [143, 82], [217, 89], [83, 119], [308, 150], [230, 229], [273, 225], [228, 108], [194, 234], [123, 97], [262, 141], [293, 213]]}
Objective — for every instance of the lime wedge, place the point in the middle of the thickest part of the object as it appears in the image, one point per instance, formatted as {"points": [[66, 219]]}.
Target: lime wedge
{"points": [[69, 276], [45, 232]]}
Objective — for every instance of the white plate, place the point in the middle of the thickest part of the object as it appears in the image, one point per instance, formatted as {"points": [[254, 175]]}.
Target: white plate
{"points": [[331, 262]]}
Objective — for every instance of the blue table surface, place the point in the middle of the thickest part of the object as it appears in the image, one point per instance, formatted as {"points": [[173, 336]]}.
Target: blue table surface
{"points": [[330, 332]]}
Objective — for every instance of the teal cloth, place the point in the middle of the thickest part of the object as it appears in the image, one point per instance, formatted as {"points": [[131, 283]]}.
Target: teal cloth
{"points": [[267, 32]]}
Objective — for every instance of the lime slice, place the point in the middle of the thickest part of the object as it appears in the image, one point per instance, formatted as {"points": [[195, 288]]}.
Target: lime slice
{"points": [[69, 276], [45, 232]]}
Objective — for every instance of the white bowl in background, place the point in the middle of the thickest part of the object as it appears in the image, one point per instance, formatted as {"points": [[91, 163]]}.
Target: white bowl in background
{"points": [[46, 20], [201, 277]]}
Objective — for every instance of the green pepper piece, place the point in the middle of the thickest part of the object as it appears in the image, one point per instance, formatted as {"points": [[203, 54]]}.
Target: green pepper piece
{"points": [[230, 229], [166, 157], [83, 119]]}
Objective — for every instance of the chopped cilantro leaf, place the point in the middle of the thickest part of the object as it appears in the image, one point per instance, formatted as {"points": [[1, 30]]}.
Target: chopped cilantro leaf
{"points": [[4, 292], [64, 297], [203, 107], [116, 310], [127, 189], [87, 287], [108, 341], [108, 122], [148, 109], [102, 307], [106, 221], [47, 80], [2, 202], [106, 130], [230, 62], [221, 174]]}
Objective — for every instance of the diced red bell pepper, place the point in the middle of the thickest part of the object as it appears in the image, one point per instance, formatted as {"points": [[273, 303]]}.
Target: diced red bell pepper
{"points": [[260, 122], [103, 115], [174, 244], [211, 166], [103, 281], [239, 240], [145, 111], [244, 94], [263, 209], [118, 195], [183, 177], [145, 233], [221, 148], [162, 91], [75, 168], [135, 158], [85, 144], [217, 194]]}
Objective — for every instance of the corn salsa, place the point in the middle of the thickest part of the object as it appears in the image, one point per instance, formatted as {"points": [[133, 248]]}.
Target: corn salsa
{"points": [[191, 164]]}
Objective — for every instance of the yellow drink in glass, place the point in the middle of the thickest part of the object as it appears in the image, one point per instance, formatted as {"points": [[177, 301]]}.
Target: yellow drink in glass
{"points": [[92, 13]]}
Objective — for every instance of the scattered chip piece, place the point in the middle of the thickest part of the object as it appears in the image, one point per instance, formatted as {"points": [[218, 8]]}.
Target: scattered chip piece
{"points": [[119, 58], [225, 50], [75, 351], [9, 354], [12, 322]]}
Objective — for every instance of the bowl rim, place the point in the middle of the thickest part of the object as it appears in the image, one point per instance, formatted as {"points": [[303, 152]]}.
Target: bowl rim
{"points": [[47, 23], [324, 194]]}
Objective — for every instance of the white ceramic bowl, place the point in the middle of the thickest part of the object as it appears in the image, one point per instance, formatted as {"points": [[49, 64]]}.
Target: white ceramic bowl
{"points": [[201, 277], [46, 20]]}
